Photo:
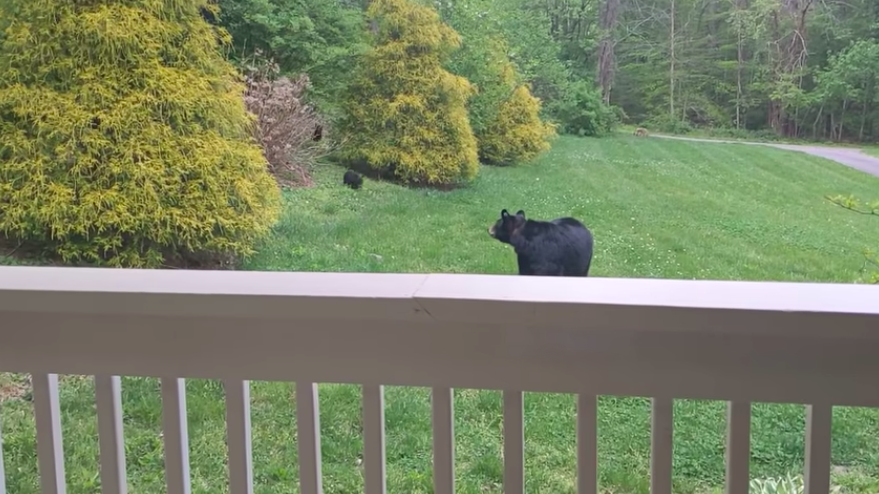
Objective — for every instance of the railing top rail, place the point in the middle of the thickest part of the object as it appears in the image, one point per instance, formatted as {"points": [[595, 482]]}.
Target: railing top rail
{"points": [[793, 342], [20, 284]]}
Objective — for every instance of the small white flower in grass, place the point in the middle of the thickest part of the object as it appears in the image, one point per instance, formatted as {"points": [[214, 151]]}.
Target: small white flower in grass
{"points": [[790, 484]]}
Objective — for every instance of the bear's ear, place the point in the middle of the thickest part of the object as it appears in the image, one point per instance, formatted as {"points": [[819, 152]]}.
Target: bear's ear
{"points": [[504, 213], [520, 213]]}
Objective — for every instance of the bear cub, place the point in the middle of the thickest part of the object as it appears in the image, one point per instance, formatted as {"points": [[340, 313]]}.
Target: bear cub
{"points": [[352, 179], [561, 247]]}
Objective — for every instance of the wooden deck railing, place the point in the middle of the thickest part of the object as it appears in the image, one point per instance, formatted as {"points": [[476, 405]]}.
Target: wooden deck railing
{"points": [[815, 344]]}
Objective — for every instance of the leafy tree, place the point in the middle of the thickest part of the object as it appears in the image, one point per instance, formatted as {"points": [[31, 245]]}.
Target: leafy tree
{"points": [[483, 61], [851, 78], [538, 56], [582, 112], [321, 38], [123, 134], [405, 113], [504, 115], [764, 66]]}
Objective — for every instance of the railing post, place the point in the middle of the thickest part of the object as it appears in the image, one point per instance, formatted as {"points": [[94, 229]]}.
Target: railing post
{"points": [[374, 439], [443, 417], [175, 432], [514, 443], [308, 437], [587, 444], [819, 418], [50, 450], [108, 395], [661, 445], [738, 447], [238, 436]]}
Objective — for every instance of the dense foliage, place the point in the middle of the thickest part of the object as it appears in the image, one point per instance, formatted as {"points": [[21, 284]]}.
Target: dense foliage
{"points": [[503, 137], [516, 133], [123, 133], [405, 113], [483, 61], [320, 38], [582, 112], [497, 33], [781, 68], [758, 68]]}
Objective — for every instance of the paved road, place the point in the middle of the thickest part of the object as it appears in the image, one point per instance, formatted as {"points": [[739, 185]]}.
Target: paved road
{"points": [[850, 157]]}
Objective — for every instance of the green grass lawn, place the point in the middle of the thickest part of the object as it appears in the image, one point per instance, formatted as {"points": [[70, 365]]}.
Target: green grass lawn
{"points": [[658, 208], [767, 137]]}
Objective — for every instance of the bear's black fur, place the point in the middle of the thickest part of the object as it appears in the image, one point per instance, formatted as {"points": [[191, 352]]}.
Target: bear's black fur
{"points": [[352, 179], [561, 247]]}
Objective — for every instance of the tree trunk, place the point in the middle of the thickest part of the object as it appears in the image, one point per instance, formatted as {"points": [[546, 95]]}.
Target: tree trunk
{"points": [[815, 124], [741, 5], [832, 126], [790, 57], [608, 14], [671, 66]]}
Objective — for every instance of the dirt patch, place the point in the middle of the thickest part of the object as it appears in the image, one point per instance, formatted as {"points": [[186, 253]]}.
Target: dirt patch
{"points": [[14, 386], [19, 386]]}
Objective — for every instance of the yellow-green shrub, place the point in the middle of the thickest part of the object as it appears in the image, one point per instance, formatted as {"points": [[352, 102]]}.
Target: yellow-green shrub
{"points": [[405, 113], [517, 133], [123, 134]]}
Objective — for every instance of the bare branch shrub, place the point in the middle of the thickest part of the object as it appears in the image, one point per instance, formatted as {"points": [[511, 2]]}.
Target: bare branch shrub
{"points": [[292, 134]]}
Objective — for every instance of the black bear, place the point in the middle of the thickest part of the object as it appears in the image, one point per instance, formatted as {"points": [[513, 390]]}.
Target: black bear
{"points": [[352, 179], [561, 247]]}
